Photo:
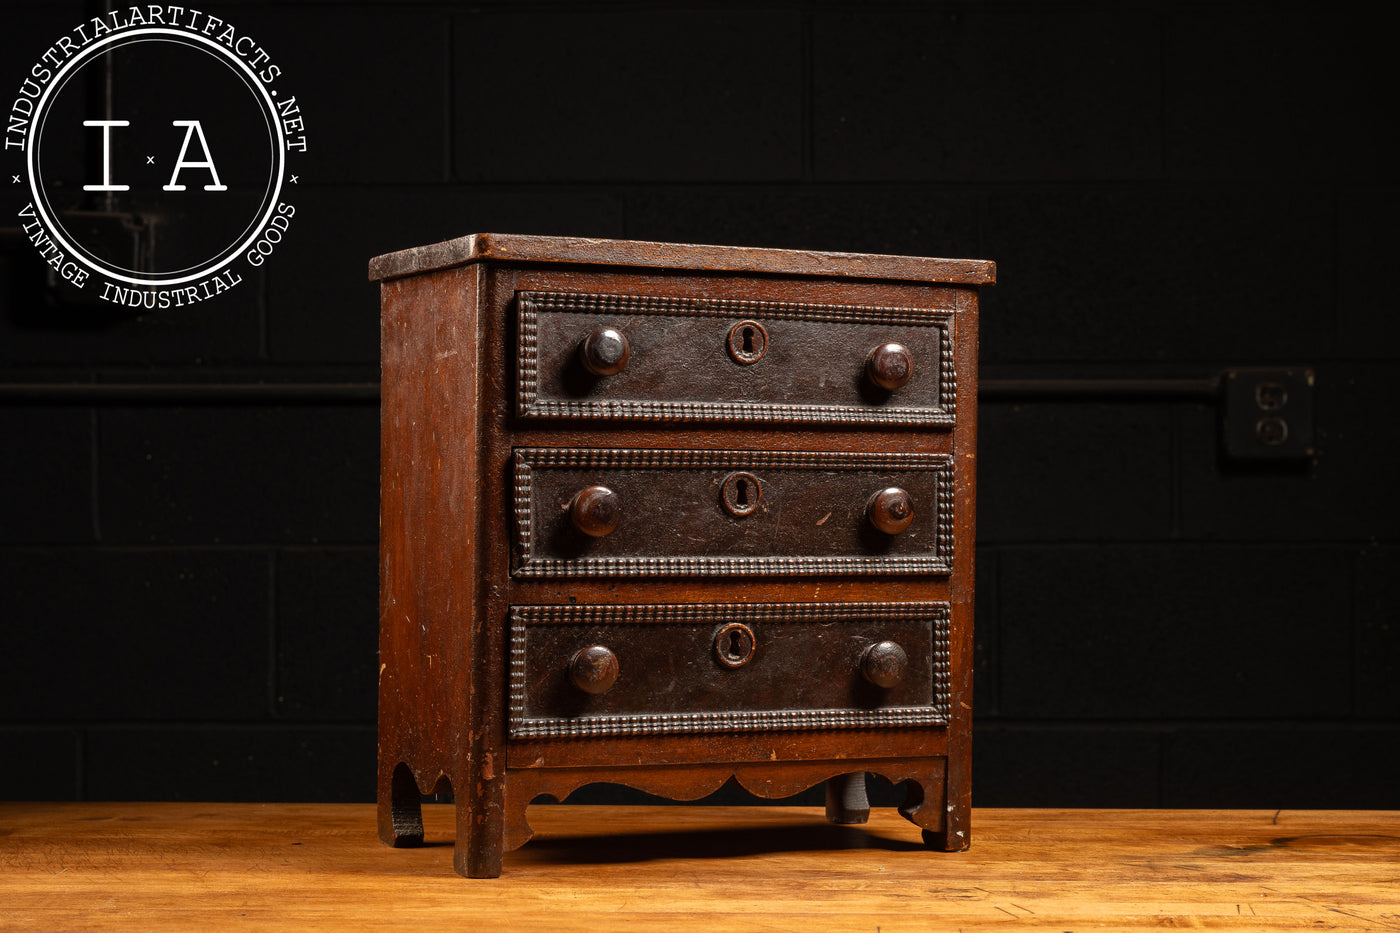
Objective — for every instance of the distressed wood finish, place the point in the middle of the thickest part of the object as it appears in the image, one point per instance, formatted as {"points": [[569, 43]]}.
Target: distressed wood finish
{"points": [[517, 248], [675, 686], [598, 430], [814, 521], [183, 866], [710, 336]]}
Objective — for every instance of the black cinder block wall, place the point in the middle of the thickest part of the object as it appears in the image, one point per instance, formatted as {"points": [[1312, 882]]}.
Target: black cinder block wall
{"points": [[1170, 189]]}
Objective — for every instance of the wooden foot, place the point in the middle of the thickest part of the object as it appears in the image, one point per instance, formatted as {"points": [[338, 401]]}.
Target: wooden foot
{"points": [[945, 826], [936, 841], [926, 807], [955, 840], [846, 801], [400, 809], [480, 845]]}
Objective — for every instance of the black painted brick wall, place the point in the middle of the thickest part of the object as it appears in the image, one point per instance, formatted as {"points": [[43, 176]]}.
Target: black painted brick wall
{"points": [[1170, 188]]}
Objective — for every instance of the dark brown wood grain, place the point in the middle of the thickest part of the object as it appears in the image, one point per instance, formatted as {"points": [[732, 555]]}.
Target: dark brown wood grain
{"points": [[508, 423]]}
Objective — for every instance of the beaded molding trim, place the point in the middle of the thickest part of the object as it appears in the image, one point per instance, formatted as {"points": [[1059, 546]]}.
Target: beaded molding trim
{"points": [[939, 615], [528, 459], [529, 405]]}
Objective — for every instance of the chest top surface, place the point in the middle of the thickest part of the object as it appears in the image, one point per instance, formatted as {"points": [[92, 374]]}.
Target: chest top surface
{"points": [[520, 248]]}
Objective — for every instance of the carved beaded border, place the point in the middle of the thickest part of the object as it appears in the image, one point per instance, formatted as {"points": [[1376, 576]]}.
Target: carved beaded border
{"points": [[529, 405], [529, 458], [637, 724]]}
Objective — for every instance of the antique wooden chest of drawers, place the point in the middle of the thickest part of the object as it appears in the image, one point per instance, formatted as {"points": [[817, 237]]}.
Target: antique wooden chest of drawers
{"points": [[663, 515]]}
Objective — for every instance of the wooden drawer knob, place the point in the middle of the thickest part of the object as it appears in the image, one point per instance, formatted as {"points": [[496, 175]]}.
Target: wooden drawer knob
{"points": [[890, 510], [889, 366], [604, 352], [595, 511], [884, 664], [593, 670]]}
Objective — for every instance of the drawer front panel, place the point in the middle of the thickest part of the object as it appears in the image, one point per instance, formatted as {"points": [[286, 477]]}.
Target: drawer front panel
{"points": [[804, 670], [721, 513], [731, 361]]}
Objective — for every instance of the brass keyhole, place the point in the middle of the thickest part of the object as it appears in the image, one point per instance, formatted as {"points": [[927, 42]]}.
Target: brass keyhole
{"points": [[740, 494], [748, 341], [734, 644]]}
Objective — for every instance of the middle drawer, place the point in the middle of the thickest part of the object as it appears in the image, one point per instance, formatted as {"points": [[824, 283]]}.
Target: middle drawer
{"points": [[635, 513]]}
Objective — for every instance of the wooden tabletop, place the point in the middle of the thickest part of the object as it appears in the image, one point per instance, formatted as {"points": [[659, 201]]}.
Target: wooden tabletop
{"points": [[178, 866]]}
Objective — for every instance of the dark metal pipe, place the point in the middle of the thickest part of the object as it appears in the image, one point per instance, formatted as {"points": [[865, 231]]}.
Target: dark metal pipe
{"points": [[332, 393], [1108, 390], [354, 393]]}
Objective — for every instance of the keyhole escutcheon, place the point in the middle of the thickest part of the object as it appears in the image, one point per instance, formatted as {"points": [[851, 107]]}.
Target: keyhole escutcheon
{"points": [[748, 341], [740, 494], [734, 644]]}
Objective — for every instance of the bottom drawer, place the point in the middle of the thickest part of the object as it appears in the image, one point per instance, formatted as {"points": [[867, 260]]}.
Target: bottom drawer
{"points": [[657, 669]]}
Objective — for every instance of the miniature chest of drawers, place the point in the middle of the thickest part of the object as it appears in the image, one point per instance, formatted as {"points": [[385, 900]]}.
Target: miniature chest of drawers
{"points": [[665, 515]]}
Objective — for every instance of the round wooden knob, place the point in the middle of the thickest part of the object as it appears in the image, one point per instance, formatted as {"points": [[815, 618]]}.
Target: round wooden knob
{"points": [[889, 366], [593, 670], [890, 510], [604, 352], [595, 511], [884, 664]]}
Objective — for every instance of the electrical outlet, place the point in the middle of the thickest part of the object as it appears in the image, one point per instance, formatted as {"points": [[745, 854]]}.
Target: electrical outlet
{"points": [[1268, 414]]}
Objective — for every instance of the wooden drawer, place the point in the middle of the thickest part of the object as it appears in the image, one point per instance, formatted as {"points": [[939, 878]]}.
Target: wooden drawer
{"points": [[722, 513], [691, 359], [663, 669]]}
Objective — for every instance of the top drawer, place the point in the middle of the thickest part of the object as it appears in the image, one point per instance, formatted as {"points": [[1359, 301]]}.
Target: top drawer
{"points": [[697, 359]]}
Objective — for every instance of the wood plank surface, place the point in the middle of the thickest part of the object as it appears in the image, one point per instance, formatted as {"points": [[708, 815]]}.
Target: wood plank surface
{"points": [[181, 866], [641, 254]]}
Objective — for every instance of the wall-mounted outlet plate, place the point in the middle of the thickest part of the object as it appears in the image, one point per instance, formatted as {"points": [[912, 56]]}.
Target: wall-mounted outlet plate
{"points": [[1268, 414]]}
